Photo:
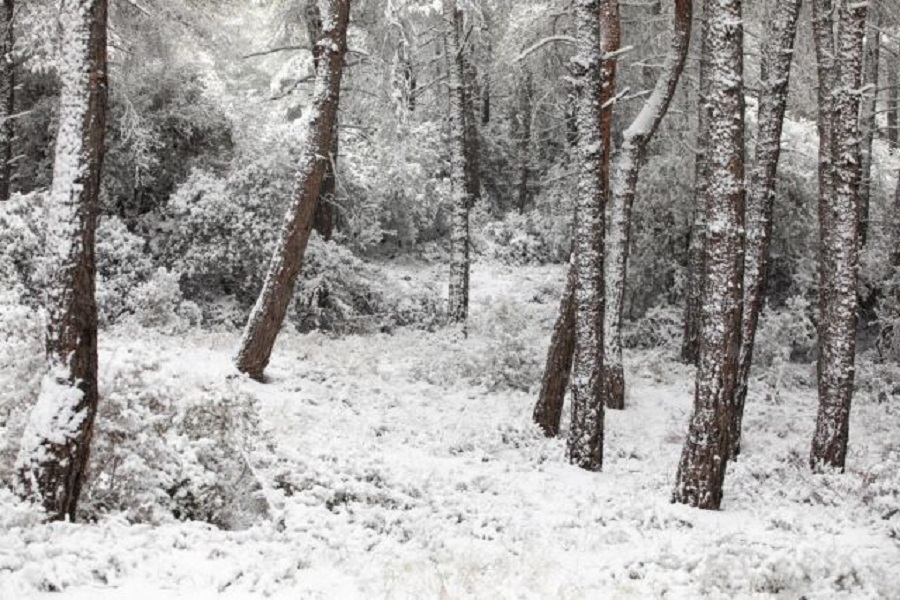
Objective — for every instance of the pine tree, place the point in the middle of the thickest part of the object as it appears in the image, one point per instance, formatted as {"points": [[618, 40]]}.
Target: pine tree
{"points": [[839, 49], [701, 472], [56, 443], [7, 96], [268, 314], [775, 72]]}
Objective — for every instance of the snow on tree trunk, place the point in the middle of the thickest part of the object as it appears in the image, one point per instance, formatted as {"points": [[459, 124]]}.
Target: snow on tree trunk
{"points": [[701, 472], [56, 443], [585, 442], [868, 122], [690, 346], [7, 95], [268, 313], [523, 118], [838, 229], [775, 72], [549, 407], [626, 169], [893, 85], [458, 309]]}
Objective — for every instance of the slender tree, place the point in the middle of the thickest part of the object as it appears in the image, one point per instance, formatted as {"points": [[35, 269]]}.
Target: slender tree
{"points": [[867, 119], [268, 314], [7, 96], [56, 443], [523, 118], [840, 72], [460, 167], [701, 472], [775, 72], [597, 32], [626, 169]]}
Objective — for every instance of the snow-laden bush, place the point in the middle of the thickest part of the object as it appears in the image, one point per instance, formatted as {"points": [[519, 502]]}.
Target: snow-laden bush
{"points": [[22, 230], [661, 327], [534, 238], [166, 449]]}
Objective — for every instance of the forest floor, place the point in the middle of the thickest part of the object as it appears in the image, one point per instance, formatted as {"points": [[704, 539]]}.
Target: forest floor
{"points": [[417, 474]]}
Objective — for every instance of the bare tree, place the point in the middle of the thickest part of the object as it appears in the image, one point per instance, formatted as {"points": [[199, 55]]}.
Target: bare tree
{"points": [[597, 26], [775, 73], [268, 314], [626, 169], [56, 443], [701, 472], [7, 96], [839, 32]]}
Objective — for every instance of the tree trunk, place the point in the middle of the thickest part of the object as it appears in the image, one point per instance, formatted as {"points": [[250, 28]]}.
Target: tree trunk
{"points": [[324, 217], [868, 123], [7, 97], [549, 407], [56, 443], [690, 347], [268, 314], [626, 170], [701, 472], [525, 93], [593, 75], [838, 227], [775, 72], [893, 133], [459, 181]]}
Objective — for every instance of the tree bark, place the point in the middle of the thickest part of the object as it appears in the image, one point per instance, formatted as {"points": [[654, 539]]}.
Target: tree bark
{"points": [[268, 315], [690, 347], [626, 169], [593, 75], [701, 472], [56, 444], [840, 159], [893, 132], [7, 97], [867, 121], [525, 93], [460, 181], [775, 72]]}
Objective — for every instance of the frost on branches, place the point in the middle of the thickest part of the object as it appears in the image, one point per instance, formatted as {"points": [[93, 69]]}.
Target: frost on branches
{"points": [[54, 452]]}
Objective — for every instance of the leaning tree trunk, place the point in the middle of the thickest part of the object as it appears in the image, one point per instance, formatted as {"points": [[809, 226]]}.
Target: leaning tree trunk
{"points": [[838, 228], [626, 168], [268, 313], [7, 96], [690, 347], [868, 122], [56, 444], [324, 217], [458, 310], [701, 472], [775, 72], [585, 442]]}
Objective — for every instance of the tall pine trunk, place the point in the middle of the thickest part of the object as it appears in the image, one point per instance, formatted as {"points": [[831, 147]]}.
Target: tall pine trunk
{"points": [[56, 444], [268, 314], [7, 96], [840, 71], [460, 166], [593, 76], [524, 96], [867, 121], [626, 169], [775, 72], [701, 472]]}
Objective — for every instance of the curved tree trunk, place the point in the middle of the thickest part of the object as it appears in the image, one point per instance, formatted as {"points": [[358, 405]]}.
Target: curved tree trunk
{"points": [[626, 169], [595, 77], [7, 96], [56, 443], [774, 79], [701, 472], [268, 314], [838, 226]]}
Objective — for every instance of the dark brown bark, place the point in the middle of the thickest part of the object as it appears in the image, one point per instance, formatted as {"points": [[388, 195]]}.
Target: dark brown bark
{"points": [[774, 80], [549, 407], [268, 315], [626, 170], [701, 471], [841, 162], [7, 96], [56, 446]]}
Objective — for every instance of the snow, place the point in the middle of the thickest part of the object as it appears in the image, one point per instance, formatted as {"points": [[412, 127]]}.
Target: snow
{"points": [[406, 486]]}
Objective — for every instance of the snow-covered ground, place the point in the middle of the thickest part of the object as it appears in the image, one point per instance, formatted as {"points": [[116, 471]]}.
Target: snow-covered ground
{"points": [[399, 468]]}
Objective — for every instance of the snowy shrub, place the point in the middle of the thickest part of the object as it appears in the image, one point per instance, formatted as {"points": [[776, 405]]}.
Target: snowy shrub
{"points": [[164, 450], [785, 335], [21, 244], [660, 327], [533, 238]]}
